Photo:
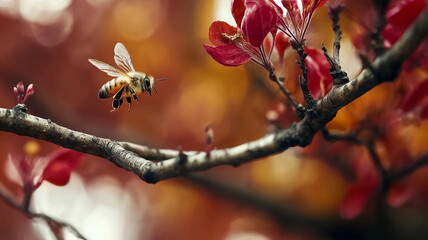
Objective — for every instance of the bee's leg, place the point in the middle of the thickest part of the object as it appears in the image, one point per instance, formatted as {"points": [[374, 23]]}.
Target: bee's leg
{"points": [[133, 94], [116, 104], [120, 102], [128, 99], [117, 99]]}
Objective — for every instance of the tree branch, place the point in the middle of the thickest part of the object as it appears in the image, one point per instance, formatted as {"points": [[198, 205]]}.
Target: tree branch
{"points": [[283, 213], [384, 68]]}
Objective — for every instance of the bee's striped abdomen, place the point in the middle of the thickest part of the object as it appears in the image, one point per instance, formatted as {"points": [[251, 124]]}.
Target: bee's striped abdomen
{"points": [[110, 88]]}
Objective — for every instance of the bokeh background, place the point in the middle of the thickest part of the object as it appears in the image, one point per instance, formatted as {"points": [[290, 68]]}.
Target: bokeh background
{"points": [[48, 42]]}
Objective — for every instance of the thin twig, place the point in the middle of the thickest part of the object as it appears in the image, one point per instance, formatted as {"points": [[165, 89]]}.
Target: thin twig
{"points": [[340, 136], [385, 183], [298, 108], [376, 35], [404, 172], [339, 77], [48, 219], [22, 208], [334, 10]]}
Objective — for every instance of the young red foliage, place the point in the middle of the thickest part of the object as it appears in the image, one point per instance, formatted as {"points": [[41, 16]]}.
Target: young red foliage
{"points": [[22, 94], [296, 21], [234, 46]]}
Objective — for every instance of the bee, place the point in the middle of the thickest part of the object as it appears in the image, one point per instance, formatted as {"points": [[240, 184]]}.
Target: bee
{"points": [[127, 82]]}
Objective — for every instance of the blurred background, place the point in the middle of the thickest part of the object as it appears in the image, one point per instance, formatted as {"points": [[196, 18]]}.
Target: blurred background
{"points": [[48, 42]]}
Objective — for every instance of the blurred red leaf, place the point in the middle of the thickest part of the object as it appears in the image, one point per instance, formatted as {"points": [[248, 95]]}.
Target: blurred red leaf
{"points": [[319, 78], [259, 19], [61, 163], [228, 55], [357, 196], [415, 97], [216, 31], [424, 113], [398, 195], [400, 15]]}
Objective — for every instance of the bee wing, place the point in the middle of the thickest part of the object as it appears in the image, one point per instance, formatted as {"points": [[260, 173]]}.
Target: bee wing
{"points": [[122, 58], [107, 68]]}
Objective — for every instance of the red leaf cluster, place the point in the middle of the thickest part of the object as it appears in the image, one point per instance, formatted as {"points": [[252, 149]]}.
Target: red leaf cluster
{"points": [[234, 46], [256, 19]]}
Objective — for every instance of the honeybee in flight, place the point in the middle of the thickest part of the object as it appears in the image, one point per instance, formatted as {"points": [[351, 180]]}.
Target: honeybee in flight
{"points": [[127, 82]]}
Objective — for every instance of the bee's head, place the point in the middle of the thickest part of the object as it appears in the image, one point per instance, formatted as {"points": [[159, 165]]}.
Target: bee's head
{"points": [[148, 83]]}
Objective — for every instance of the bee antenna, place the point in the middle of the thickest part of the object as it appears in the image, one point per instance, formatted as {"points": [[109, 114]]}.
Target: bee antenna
{"points": [[161, 79]]}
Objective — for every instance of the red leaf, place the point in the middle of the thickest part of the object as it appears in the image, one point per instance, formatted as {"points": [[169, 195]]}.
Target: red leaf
{"points": [[400, 15], [228, 55], [319, 78], [309, 6], [290, 5], [293, 12], [415, 97], [61, 163], [277, 8], [281, 43], [238, 10], [217, 28], [259, 19], [320, 3]]}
